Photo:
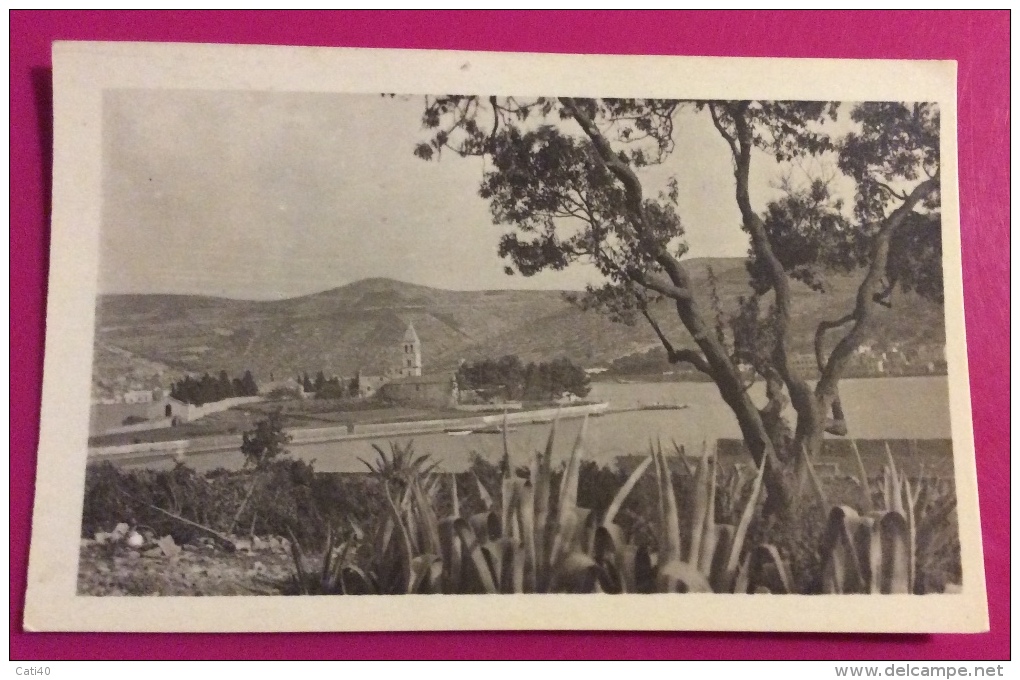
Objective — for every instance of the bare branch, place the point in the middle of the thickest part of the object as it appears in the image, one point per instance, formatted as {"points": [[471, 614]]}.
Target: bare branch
{"points": [[658, 331], [800, 393], [823, 328], [692, 357], [865, 302], [897, 194], [722, 131], [678, 356], [495, 118], [659, 286]]}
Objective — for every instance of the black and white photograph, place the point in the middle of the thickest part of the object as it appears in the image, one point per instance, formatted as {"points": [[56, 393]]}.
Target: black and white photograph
{"points": [[656, 352]]}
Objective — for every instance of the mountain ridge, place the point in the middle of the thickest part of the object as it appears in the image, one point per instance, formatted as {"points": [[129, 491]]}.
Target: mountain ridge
{"points": [[143, 340], [386, 280]]}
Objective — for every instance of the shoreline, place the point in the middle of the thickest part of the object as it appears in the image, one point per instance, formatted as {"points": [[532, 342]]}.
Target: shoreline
{"points": [[180, 449], [643, 378]]}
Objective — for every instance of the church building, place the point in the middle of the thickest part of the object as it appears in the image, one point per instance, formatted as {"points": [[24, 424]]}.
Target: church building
{"points": [[411, 355], [411, 387]]}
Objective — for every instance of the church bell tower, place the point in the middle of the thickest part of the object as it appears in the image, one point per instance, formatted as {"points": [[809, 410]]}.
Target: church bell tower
{"points": [[410, 356]]}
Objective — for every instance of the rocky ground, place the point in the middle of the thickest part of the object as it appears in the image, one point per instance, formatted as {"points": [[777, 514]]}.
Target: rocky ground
{"points": [[132, 564]]}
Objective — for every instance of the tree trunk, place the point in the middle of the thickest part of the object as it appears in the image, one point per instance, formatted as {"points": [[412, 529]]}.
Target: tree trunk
{"points": [[720, 366], [757, 437], [256, 479]]}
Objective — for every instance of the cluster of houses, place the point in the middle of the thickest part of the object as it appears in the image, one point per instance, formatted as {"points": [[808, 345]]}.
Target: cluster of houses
{"points": [[405, 383], [894, 360]]}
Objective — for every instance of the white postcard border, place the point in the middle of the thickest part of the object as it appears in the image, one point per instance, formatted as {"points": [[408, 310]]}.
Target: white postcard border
{"points": [[82, 71]]}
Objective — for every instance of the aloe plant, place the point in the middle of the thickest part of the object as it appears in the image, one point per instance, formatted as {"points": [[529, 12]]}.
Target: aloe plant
{"points": [[878, 549], [536, 539], [533, 537], [716, 559], [516, 545]]}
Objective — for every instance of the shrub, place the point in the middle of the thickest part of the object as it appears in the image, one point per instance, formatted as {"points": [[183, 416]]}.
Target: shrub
{"points": [[298, 501], [283, 394], [654, 523]]}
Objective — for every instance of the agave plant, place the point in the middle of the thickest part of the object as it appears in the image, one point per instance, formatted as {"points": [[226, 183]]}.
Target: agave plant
{"points": [[401, 465], [536, 539], [337, 572], [715, 559], [533, 537], [878, 549], [573, 549]]}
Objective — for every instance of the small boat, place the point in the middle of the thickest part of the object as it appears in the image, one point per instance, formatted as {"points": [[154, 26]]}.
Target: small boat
{"points": [[493, 430], [663, 407], [457, 432]]}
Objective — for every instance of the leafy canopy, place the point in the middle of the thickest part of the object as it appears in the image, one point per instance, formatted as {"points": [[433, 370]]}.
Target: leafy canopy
{"points": [[564, 204]]}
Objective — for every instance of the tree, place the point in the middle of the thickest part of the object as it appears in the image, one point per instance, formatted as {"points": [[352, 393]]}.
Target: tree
{"points": [[570, 378], [249, 388], [261, 447], [266, 442], [331, 389], [510, 378], [564, 174], [225, 388]]}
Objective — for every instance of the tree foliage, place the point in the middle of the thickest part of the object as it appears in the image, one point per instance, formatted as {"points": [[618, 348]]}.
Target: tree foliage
{"points": [[324, 388], [266, 442], [207, 389], [510, 378], [564, 177]]}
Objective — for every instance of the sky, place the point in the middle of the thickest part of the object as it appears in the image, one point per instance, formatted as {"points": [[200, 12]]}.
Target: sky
{"points": [[259, 195]]}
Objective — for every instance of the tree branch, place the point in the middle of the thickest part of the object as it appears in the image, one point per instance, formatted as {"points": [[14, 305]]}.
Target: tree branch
{"points": [[722, 131], [634, 196], [694, 358], [677, 356], [900, 195], [823, 328], [622, 171], [865, 303], [495, 119], [659, 286], [800, 393], [724, 373]]}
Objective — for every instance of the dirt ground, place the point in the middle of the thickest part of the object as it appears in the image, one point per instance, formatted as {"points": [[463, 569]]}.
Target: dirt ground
{"points": [[257, 567]]}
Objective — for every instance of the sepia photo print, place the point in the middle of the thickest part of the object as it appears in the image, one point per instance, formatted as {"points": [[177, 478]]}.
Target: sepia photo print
{"points": [[677, 345]]}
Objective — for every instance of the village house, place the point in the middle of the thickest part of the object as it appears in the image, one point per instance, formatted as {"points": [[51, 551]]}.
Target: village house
{"points": [[138, 409], [368, 385], [150, 410]]}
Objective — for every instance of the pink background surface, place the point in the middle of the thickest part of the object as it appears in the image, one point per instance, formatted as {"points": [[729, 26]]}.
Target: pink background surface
{"points": [[979, 41]]}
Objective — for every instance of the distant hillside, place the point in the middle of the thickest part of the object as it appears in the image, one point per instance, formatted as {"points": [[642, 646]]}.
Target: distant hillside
{"points": [[144, 340]]}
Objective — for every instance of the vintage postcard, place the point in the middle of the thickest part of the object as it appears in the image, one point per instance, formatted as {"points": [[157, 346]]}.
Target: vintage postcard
{"points": [[347, 339]]}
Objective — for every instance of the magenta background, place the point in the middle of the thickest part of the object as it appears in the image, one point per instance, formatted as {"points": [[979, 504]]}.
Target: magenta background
{"points": [[979, 41]]}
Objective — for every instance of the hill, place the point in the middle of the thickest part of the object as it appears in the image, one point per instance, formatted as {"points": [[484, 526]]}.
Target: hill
{"points": [[145, 340]]}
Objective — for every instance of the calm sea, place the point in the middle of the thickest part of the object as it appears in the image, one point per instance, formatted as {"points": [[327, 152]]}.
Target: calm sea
{"points": [[876, 408]]}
